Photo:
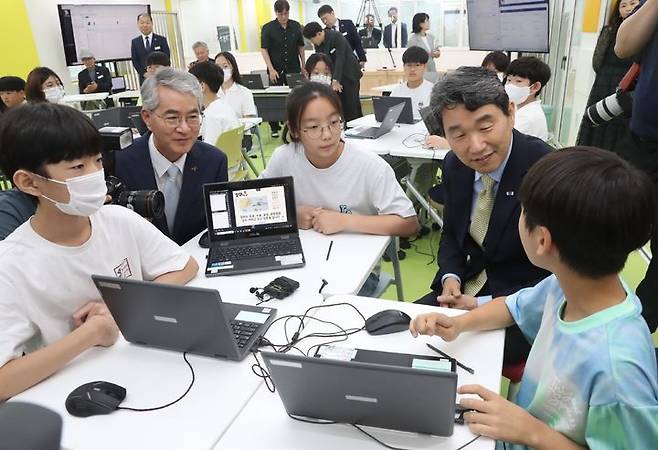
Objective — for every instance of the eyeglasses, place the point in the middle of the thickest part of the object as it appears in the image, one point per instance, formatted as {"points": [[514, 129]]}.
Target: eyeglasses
{"points": [[172, 121], [315, 131]]}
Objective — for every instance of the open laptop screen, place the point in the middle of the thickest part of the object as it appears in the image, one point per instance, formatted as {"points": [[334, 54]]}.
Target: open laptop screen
{"points": [[242, 209], [118, 84]]}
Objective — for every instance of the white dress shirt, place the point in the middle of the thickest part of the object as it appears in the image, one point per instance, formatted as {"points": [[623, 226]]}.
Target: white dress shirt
{"points": [[161, 164]]}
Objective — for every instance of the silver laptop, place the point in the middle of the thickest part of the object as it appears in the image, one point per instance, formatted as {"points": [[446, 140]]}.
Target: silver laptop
{"points": [[366, 393], [252, 226], [183, 318], [387, 125], [381, 104]]}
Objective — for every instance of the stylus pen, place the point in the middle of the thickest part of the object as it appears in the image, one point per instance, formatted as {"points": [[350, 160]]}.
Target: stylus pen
{"points": [[331, 244], [445, 355]]}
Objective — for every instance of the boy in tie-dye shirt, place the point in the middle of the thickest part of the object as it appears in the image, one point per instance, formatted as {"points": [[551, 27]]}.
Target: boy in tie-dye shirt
{"points": [[591, 378]]}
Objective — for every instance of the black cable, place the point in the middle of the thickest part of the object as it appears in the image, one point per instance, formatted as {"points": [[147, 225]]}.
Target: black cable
{"points": [[416, 143], [313, 422], [170, 403], [261, 372], [375, 439], [469, 442]]}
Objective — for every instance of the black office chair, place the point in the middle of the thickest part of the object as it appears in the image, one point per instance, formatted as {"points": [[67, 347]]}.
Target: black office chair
{"points": [[24, 426]]}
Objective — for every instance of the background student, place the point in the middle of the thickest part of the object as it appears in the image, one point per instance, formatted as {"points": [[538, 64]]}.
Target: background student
{"points": [[12, 91], [44, 85], [525, 78], [590, 380], [318, 68], [50, 310], [496, 62]]}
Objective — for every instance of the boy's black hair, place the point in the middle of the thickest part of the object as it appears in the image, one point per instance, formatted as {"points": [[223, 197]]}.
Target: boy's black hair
{"points": [[209, 73], [417, 20], [281, 6], [325, 9], [158, 59], [534, 69], [11, 83], [499, 59], [311, 30], [415, 55], [43, 133], [597, 207]]}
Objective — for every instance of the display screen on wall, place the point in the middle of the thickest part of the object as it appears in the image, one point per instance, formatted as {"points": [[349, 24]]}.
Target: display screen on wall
{"points": [[106, 30], [508, 25]]}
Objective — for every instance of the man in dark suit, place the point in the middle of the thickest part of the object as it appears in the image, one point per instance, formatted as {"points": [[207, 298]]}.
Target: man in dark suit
{"points": [[346, 75], [93, 78], [170, 158], [370, 35], [395, 33], [346, 28], [146, 43], [480, 254]]}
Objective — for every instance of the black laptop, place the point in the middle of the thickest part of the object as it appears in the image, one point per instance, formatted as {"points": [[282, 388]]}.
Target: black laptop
{"points": [[252, 226], [295, 79], [381, 105], [375, 132], [252, 81], [183, 318], [118, 84]]}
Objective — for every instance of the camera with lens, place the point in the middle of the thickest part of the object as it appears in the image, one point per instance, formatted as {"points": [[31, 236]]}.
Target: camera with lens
{"points": [[619, 104], [146, 203]]}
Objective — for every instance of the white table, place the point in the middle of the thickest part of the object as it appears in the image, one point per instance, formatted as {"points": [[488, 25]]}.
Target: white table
{"points": [[125, 94], [77, 99], [272, 90], [265, 413]]}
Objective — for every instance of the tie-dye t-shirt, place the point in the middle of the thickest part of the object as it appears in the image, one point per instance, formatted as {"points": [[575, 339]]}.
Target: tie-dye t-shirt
{"points": [[594, 380]]}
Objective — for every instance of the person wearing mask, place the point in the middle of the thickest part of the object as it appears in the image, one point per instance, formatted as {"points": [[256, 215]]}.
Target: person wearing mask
{"points": [[346, 70], [395, 33], [146, 43], [370, 35], [610, 69], [346, 28], [201, 52], [12, 91], [318, 68], [421, 37], [170, 158], [44, 85], [282, 49]]}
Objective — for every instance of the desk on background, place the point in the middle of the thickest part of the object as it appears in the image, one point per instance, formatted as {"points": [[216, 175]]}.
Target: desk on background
{"points": [[124, 96], [264, 412], [271, 103], [77, 99], [404, 140]]}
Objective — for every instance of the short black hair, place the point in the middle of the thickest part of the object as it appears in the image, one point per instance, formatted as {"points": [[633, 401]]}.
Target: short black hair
{"points": [[314, 59], [417, 20], [209, 73], [499, 59], [281, 5], [43, 133], [145, 14], [311, 30], [415, 55], [473, 87], [299, 99], [597, 207], [11, 83], [392, 8], [532, 68], [158, 59], [325, 9]]}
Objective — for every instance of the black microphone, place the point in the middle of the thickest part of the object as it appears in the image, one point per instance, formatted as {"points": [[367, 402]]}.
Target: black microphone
{"points": [[392, 59]]}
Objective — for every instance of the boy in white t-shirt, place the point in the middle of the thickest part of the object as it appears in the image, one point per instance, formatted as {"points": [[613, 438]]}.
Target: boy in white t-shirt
{"points": [[218, 116], [50, 311], [525, 78], [417, 88]]}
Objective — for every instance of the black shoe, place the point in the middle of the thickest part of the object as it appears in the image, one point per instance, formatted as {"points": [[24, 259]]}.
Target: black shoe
{"points": [[404, 243]]}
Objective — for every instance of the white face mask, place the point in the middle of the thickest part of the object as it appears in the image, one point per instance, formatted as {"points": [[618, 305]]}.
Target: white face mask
{"points": [[54, 94], [319, 78], [517, 94], [227, 74], [86, 194]]}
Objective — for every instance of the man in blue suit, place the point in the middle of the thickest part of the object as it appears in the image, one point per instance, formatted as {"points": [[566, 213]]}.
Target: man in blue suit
{"points": [[480, 254], [170, 158], [146, 43], [346, 28]]}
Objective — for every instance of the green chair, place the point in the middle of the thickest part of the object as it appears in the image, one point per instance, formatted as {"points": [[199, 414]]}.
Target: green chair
{"points": [[5, 184], [230, 142]]}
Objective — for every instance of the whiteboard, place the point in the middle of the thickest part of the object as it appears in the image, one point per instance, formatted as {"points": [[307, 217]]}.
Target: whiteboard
{"points": [[508, 25], [106, 30]]}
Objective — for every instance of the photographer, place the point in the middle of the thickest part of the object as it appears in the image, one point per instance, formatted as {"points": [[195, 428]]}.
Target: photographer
{"points": [[638, 36]]}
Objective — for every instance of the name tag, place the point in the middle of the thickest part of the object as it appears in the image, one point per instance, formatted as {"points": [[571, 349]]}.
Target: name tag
{"points": [[345, 33], [333, 50], [157, 48], [100, 76]]}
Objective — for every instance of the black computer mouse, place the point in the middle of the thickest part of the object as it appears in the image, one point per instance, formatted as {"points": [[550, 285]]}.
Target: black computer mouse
{"points": [[387, 321], [92, 399], [204, 240]]}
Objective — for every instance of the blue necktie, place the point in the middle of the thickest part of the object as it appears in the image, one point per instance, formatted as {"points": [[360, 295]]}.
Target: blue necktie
{"points": [[148, 44], [171, 193]]}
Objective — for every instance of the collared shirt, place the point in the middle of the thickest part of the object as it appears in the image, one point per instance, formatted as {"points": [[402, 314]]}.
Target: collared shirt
{"points": [[161, 164], [282, 44], [150, 36], [395, 27], [240, 99]]}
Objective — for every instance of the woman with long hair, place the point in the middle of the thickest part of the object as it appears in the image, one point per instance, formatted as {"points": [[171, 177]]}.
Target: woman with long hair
{"points": [[44, 85]]}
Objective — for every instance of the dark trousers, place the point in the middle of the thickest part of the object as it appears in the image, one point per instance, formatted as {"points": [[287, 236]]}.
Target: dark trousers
{"points": [[351, 100], [643, 153], [276, 126], [517, 346]]}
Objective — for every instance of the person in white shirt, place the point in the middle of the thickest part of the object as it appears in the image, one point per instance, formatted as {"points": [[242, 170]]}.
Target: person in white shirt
{"points": [[50, 310], [525, 78], [218, 115]]}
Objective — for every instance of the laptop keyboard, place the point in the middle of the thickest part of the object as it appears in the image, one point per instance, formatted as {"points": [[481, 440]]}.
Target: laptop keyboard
{"points": [[242, 331], [287, 247]]}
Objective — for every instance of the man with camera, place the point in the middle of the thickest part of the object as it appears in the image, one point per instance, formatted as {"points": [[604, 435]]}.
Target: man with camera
{"points": [[638, 37], [170, 158]]}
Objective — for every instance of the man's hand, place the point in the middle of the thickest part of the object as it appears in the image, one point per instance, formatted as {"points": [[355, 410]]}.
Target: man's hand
{"points": [[328, 222], [362, 64], [90, 88], [498, 418], [435, 324], [336, 86], [305, 217], [274, 75], [97, 317]]}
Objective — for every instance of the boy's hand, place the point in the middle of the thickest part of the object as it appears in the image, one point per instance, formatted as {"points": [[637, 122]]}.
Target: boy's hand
{"points": [[435, 324], [496, 417], [328, 222], [305, 217], [97, 317]]}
